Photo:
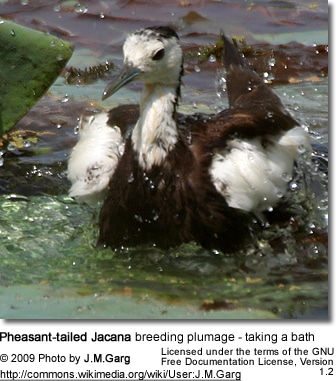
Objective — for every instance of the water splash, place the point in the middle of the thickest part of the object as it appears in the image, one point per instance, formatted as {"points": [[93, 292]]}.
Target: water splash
{"points": [[26, 143], [81, 8], [65, 98], [271, 62], [212, 58]]}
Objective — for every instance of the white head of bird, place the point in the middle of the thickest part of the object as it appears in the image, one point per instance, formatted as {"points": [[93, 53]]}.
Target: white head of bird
{"points": [[154, 56]]}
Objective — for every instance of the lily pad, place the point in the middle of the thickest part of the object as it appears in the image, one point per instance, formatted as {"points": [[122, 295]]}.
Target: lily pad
{"points": [[30, 61]]}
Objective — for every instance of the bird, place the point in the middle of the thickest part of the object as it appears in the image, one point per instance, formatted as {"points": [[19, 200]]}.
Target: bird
{"points": [[169, 178]]}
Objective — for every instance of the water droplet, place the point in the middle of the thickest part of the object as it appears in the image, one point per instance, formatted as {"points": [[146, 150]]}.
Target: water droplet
{"points": [[197, 68], [81, 8], [65, 99], [53, 43], [279, 194], [301, 148], [76, 130], [57, 8], [11, 147], [138, 218], [101, 15], [60, 58], [24, 2], [12, 32], [316, 250], [250, 156], [286, 176], [271, 62], [130, 178], [293, 186], [270, 208], [268, 77], [221, 85], [222, 81], [212, 58], [121, 149], [26, 144]]}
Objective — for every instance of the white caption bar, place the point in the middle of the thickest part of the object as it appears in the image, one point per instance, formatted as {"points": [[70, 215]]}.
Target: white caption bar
{"points": [[153, 351]]}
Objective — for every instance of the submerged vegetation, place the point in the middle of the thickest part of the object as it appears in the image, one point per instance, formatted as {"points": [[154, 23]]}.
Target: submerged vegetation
{"points": [[77, 76]]}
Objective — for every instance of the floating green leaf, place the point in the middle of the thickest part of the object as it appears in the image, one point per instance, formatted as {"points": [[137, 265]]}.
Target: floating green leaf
{"points": [[30, 61]]}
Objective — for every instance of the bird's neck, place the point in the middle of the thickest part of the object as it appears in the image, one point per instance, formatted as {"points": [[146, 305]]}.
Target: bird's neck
{"points": [[155, 132]]}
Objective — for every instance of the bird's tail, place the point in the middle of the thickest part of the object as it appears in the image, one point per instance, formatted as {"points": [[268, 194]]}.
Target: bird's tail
{"points": [[247, 90]]}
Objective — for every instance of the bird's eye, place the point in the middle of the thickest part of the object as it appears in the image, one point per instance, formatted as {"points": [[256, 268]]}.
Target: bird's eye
{"points": [[158, 55]]}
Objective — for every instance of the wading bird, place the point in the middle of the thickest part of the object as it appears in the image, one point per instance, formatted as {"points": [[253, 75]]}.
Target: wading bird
{"points": [[173, 178]]}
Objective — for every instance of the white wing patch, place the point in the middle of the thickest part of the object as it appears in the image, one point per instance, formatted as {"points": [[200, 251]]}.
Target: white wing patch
{"points": [[252, 176], [94, 158]]}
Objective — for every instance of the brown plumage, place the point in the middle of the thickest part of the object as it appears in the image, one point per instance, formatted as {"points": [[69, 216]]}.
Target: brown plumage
{"points": [[168, 205]]}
